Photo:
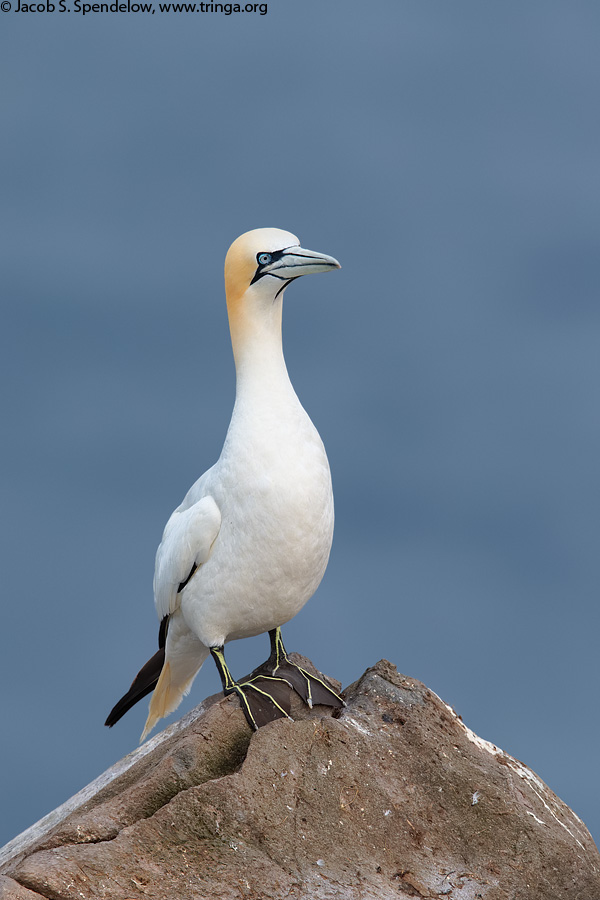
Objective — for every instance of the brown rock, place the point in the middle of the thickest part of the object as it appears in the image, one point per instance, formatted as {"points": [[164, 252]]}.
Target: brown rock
{"points": [[11, 890], [393, 798]]}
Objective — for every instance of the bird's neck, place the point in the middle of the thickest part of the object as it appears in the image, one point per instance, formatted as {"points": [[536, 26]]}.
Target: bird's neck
{"points": [[258, 352]]}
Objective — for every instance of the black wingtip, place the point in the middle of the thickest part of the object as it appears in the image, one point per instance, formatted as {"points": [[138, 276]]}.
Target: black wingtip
{"points": [[142, 685]]}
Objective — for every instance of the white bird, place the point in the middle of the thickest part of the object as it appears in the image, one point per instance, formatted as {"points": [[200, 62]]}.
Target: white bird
{"points": [[249, 544]]}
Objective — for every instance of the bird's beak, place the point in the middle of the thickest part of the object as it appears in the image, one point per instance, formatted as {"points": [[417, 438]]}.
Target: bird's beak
{"points": [[297, 261]]}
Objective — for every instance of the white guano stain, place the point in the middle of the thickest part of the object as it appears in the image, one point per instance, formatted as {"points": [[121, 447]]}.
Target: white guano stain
{"points": [[349, 720], [535, 784]]}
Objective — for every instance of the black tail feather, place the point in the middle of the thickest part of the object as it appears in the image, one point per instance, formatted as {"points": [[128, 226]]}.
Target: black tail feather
{"points": [[143, 683]]}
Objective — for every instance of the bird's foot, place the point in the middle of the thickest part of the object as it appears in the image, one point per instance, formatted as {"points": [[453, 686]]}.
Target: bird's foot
{"points": [[311, 688], [263, 697]]}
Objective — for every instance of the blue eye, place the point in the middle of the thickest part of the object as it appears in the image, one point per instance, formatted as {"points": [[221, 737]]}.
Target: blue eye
{"points": [[264, 258]]}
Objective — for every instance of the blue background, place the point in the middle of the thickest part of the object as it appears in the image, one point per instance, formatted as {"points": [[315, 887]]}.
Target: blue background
{"points": [[447, 153]]}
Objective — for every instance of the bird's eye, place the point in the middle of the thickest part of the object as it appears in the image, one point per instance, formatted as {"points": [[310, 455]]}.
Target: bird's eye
{"points": [[264, 258]]}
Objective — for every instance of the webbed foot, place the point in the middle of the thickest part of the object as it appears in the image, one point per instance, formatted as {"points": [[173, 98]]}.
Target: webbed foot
{"points": [[311, 688], [263, 697], [265, 694]]}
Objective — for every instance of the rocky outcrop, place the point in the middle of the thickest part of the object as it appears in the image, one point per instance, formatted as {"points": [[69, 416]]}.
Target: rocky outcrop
{"points": [[392, 798]]}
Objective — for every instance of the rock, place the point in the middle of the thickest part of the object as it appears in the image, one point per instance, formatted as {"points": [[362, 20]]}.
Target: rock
{"points": [[393, 798]]}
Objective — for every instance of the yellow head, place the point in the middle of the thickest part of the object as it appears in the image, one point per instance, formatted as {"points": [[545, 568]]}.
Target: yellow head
{"points": [[270, 256], [258, 267]]}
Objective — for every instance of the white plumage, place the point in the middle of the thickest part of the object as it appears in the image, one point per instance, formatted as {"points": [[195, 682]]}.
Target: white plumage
{"points": [[249, 544]]}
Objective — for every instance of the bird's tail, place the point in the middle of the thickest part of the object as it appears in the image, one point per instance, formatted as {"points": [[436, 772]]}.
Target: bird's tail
{"points": [[169, 674], [184, 656], [144, 682]]}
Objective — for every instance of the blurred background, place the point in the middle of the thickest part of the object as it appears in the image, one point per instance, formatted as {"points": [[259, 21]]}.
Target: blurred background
{"points": [[448, 155]]}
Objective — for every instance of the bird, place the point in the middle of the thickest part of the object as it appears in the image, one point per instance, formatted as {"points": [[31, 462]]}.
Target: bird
{"points": [[250, 542]]}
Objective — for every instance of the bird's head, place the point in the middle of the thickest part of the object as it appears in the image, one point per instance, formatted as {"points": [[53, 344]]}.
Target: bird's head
{"points": [[262, 262]]}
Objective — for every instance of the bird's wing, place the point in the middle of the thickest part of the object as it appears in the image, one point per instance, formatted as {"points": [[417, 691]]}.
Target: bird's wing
{"points": [[186, 544]]}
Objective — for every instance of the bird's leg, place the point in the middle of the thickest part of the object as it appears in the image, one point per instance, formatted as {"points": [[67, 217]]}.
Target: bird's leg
{"points": [[262, 696], [311, 688]]}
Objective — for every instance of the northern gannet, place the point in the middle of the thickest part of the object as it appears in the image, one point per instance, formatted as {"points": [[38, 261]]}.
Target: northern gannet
{"points": [[249, 544]]}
